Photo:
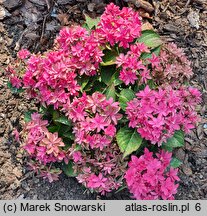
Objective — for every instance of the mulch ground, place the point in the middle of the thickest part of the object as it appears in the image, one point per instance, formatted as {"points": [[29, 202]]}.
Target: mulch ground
{"points": [[33, 24]]}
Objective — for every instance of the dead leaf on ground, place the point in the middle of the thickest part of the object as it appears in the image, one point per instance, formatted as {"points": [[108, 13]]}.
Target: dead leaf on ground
{"points": [[32, 35], [3, 13], [144, 14], [63, 18], [39, 2], [146, 26], [142, 4]]}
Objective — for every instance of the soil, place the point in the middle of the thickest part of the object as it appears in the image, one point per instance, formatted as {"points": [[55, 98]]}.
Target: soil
{"points": [[33, 24]]}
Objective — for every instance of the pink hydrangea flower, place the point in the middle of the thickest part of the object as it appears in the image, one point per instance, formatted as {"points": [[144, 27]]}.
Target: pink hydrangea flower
{"points": [[99, 169], [132, 68], [42, 145], [171, 66], [77, 156], [23, 54], [93, 116], [16, 82], [119, 26], [157, 114], [148, 179]]}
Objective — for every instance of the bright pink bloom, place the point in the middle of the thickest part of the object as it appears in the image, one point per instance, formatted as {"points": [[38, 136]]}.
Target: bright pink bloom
{"points": [[77, 156], [16, 82], [147, 176], [93, 117], [132, 67], [119, 26], [157, 114]]}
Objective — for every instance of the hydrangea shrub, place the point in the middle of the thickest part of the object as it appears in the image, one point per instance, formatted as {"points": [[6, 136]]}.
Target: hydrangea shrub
{"points": [[114, 101]]}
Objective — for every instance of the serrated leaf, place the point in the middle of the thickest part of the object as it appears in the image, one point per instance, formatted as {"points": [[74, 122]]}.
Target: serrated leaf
{"points": [[68, 169], [128, 140], [175, 163], [177, 140], [63, 120], [110, 92], [91, 23], [150, 39], [125, 96]]}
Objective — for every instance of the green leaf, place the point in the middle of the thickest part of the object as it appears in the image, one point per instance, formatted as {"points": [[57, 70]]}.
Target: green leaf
{"points": [[69, 135], [150, 39], [68, 169], [109, 57], [175, 163], [107, 74], [27, 115], [98, 86], [63, 120], [115, 79], [54, 128], [125, 96], [43, 110], [110, 92], [156, 51], [13, 89], [177, 140], [83, 82], [128, 140], [91, 23]]}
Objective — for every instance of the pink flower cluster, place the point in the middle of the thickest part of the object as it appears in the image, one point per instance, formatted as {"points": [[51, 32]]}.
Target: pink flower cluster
{"points": [[148, 178], [173, 66], [119, 26], [100, 170], [83, 49], [47, 172], [94, 119], [13, 76], [132, 67], [41, 144], [50, 78], [157, 114], [23, 54]]}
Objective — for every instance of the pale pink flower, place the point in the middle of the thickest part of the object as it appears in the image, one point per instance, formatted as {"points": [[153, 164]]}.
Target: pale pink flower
{"points": [[23, 54]]}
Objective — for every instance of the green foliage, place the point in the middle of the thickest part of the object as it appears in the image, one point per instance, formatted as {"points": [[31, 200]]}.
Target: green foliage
{"points": [[150, 39], [125, 96], [110, 92], [13, 89], [27, 115], [156, 51], [175, 163], [63, 120], [91, 23], [128, 140], [109, 57], [68, 169], [177, 140]]}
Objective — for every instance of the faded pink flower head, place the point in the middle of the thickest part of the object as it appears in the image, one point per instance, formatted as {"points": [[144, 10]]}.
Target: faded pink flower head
{"points": [[23, 54]]}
